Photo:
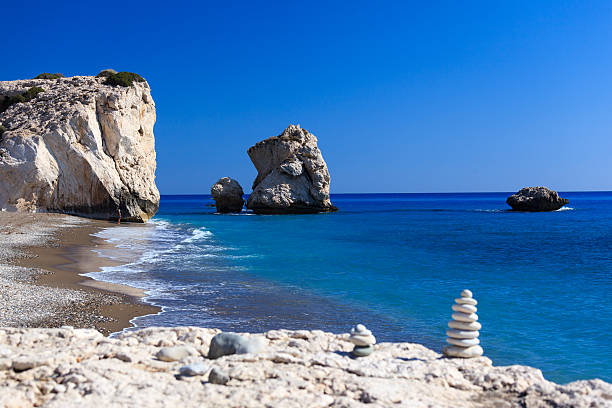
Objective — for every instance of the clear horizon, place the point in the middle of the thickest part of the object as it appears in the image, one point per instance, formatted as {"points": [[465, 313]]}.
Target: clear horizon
{"points": [[419, 192], [403, 97]]}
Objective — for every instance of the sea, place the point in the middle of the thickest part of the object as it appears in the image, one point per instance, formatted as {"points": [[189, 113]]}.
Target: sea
{"points": [[393, 262]]}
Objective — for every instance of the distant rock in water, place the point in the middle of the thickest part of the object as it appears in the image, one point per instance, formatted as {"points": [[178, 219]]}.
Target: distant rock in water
{"points": [[78, 146], [227, 194], [536, 199], [292, 175]]}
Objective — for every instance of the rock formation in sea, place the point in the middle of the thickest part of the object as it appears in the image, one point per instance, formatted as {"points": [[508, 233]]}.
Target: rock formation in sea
{"points": [[79, 146], [463, 329], [81, 368], [536, 199], [227, 194], [292, 175]]}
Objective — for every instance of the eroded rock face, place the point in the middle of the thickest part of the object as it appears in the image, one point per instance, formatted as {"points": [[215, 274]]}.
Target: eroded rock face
{"points": [[80, 147], [227, 194], [536, 199], [292, 175], [81, 368]]}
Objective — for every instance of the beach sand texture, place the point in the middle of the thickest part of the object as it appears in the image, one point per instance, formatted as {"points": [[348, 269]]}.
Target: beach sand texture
{"points": [[41, 257]]}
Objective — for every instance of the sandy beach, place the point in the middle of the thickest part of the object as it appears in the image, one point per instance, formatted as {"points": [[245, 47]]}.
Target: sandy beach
{"points": [[41, 260]]}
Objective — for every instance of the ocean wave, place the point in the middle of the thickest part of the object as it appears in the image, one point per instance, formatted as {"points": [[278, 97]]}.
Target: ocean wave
{"points": [[198, 234], [168, 261], [565, 209]]}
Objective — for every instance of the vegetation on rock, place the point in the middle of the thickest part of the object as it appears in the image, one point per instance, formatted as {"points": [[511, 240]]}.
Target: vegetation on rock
{"points": [[32, 93], [20, 98], [122, 78], [105, 73], [2, 130], [46, 75]]}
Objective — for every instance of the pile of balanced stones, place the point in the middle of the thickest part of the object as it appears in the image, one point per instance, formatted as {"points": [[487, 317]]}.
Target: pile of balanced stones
{"points": [[463, 329], [363, 340]]}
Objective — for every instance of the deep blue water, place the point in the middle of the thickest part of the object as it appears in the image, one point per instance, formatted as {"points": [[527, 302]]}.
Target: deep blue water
{"points": [[394, 262]]}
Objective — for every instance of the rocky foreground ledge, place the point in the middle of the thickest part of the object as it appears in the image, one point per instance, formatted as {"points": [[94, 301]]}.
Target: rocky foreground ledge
{"points": [[82, 368]]}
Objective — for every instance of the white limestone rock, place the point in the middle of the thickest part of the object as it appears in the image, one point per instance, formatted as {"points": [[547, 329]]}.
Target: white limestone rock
{"points": [[176, 353], [192, 370], [80, 373], [292, 175], [80, 147]]}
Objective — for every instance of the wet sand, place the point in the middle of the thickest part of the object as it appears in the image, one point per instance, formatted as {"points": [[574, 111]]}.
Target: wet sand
{"points": [[59, 259]]}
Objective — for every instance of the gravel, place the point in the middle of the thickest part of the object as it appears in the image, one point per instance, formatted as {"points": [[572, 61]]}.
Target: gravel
{"points": [[26, 304]]}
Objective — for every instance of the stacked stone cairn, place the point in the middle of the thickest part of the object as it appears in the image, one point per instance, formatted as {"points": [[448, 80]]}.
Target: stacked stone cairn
{"points": [[463, 329], [363, 340]]}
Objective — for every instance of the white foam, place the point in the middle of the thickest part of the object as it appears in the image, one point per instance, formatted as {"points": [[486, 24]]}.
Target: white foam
{"points": [[147, 253], [198, 234], [565, 209]]}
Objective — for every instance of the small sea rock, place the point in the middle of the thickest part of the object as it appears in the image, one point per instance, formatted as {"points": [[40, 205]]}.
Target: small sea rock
{"points": [[227, 194], [192, 370], [175, 353], [217, 376], [536, 199], [224, 344]]}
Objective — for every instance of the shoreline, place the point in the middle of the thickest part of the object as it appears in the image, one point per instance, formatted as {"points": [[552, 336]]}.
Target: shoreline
{"points": [[58, 261], [295, 367]]}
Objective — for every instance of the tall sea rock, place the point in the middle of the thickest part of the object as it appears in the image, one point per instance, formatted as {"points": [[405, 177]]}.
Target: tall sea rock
{"points": [[292, 175], [78, 146]]}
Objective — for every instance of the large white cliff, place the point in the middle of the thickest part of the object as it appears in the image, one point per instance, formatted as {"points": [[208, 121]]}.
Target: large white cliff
{"points": [[79, 147]]}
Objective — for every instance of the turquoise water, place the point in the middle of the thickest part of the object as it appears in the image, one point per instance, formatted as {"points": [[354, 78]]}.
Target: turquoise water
{"points": [[394, 262]]}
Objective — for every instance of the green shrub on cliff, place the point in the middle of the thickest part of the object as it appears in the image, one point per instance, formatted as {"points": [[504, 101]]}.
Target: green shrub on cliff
{"points": [[20, 98], [105, 73], [2, 130], [47, 75], [32, 93], [123, 78]]}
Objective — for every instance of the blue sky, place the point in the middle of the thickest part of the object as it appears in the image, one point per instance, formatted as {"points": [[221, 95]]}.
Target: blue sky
{"points": [[403, 96]]}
